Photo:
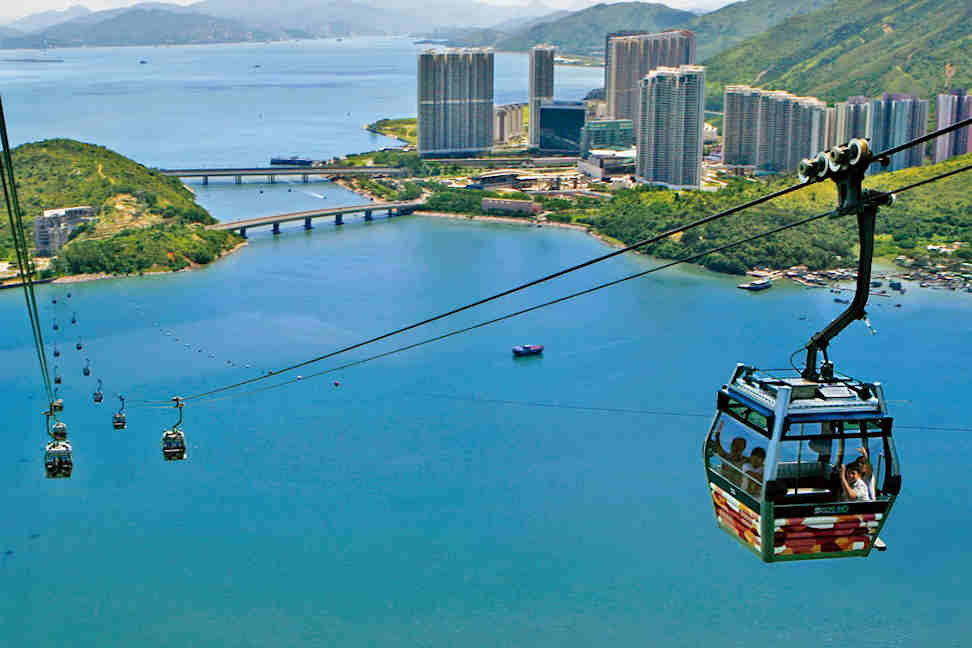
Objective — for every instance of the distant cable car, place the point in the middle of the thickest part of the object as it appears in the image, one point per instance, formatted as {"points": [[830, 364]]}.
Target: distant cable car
{"points": [[777, 454], [57, 376], [87, 368], [97, 396], [79, 346], [69, 295], [174, 439], [53, 300], [56, 327], [74, 318], [57, 354], [118, 418]]}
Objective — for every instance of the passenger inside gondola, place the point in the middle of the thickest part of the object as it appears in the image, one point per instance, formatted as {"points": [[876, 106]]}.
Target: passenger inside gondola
{"points": [[733, 460], [854, 488], [753, 472]]}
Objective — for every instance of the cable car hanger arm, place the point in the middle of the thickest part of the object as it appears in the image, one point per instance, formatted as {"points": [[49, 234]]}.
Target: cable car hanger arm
{"points": [[846, 165]]}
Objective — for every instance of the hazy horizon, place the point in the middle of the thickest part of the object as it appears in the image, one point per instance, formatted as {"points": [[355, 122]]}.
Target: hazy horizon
{"points": [[11, 11]]}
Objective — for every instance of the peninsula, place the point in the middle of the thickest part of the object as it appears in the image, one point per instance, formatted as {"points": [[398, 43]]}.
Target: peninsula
{"points": [[139, 221]]}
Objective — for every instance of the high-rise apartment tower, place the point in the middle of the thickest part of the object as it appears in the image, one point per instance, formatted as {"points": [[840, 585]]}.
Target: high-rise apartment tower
{"points": [[894, 119], [670, 126], [951, 108], [541, 86], [771, 130], [455, 101], [629, 58]]}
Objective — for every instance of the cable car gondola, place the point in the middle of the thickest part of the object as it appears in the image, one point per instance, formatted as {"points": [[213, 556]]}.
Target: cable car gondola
{"points": [[74, 318], [97, 396], [56, 327], [79, 346], [118, 418], [57, 376], [87, 368], [174, 440], [776, 451], [57, 354], [58, 459]]}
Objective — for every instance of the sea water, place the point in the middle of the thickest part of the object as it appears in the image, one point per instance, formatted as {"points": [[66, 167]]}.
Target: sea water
{"points": [[449, 495]]}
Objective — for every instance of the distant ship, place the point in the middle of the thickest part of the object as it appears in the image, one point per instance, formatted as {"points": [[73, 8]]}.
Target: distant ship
{"points": [[759, 284], [292, 161], [527, 349]]}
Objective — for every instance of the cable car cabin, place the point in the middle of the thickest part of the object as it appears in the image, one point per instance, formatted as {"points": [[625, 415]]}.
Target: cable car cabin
{"points": [[118, 421], [57, 405], [97, 397], [58, 462], [174, 445], [774, 458]]}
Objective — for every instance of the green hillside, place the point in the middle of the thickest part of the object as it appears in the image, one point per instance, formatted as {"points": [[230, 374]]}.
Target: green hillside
{"points": [[583, 32], [855, 47], [718, 31], [145, 221], [939, 212]]}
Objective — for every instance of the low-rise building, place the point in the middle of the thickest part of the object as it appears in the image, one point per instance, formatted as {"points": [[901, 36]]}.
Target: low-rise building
{"points": [[510, 206], [54, 227], [601, 164], [606, 133]]}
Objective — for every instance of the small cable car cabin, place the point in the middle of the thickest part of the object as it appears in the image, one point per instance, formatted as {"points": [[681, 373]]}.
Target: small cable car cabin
{"points": [[87, 368], [775, 462], [174, 440], [174, 445], [118, 418], [97, 396], [58, 462]]}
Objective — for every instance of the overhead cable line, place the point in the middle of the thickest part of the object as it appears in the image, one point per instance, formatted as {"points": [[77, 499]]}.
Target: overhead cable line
{"points": [[559, 273], [22, 250], [686, 259], [530, 284], [437, 338]]}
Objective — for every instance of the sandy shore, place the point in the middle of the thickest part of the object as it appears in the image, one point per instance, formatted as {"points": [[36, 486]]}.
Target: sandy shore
{"points": [[526, 222], [81, 278]]}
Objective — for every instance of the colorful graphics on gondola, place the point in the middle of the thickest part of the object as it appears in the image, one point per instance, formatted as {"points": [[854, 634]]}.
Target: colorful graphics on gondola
{"points": [[737, 518], [825, 534]]}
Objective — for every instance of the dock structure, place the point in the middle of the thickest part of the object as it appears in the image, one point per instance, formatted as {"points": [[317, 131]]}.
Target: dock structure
{"points": [[338, 213], [271, 173]]}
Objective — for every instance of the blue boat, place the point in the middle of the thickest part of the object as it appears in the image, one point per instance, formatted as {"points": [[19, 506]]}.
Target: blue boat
{"points": [[527, 349]]}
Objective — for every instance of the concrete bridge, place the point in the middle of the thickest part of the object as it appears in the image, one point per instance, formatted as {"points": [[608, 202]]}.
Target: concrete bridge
{"points": [[272, 172], [338, 213]]}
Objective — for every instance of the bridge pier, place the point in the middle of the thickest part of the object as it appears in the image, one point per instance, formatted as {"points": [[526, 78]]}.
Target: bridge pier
{"points": [[273, 179], [205, 180], [243, 232], [307, 223], [276, 228], [305, 178], [390, 210], [239, 179], [339, 219], [368, 216]]}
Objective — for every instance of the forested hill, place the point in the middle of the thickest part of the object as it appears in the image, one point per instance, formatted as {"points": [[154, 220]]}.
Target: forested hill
{"points": [[855, 47], [939, 212], [140, 26], [583, 32], [145, 221]]}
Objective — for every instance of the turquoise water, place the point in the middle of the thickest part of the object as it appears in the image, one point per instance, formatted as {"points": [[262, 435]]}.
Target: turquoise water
{"points": [[439, 497]]}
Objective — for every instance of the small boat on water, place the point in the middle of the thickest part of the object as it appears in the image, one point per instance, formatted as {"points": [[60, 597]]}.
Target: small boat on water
{"points": [[841, 300], [527, 349], [760, 284], [894, 285]]}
